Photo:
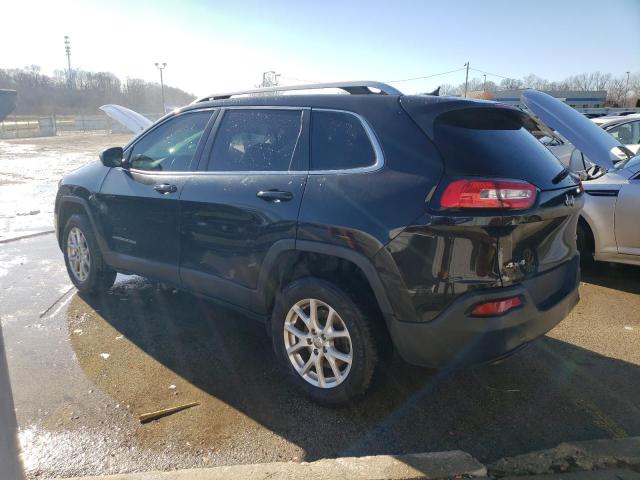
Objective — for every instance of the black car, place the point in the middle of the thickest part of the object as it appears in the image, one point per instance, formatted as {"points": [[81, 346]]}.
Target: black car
{"points": [[348, 223]]}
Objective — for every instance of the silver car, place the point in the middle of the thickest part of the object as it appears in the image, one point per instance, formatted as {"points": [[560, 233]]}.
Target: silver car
{"points": [[609, 226]]}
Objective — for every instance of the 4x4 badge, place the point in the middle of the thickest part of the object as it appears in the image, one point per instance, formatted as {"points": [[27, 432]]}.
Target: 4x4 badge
{"points": [[569, 200]]}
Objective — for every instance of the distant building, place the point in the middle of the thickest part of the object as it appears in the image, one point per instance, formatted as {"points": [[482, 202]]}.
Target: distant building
{"points": [[574, 98]]}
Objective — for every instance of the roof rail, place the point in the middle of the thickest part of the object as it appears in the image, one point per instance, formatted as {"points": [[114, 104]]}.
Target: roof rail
{"points": [[354, 88]]}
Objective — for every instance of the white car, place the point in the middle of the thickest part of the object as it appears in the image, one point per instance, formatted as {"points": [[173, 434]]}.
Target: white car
{"points": [[609, 226]]}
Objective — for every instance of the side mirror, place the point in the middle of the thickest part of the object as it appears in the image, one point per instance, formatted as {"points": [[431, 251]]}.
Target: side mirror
{"points": [[112, 157]]}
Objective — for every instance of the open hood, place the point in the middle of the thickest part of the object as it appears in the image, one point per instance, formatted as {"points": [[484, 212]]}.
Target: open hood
{"points": [[130, 119], [593, 141]]}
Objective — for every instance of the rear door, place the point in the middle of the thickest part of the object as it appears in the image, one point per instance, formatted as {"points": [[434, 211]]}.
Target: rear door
{"points": [[139, 205], [244, 199]]}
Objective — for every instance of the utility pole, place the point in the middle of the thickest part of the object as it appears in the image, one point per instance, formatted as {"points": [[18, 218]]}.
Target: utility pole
{"points": [[626, 90], [466, 79], [161, 67], [67, 49], [484, 84]]}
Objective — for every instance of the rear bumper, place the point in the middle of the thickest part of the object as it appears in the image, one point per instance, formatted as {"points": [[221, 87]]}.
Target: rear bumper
{"points": [[454, 338]]}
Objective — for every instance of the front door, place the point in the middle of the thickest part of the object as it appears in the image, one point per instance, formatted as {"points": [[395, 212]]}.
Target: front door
{"points": [[245, 199], [627, 227], [139, 203]]}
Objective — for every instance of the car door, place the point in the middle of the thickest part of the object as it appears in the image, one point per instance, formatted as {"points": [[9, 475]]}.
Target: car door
{"points": [[627, 226], [139, 202], [244, 200]]}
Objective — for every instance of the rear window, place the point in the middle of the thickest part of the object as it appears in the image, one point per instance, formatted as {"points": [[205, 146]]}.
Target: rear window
{"points": [[495, 143], [339, 142]]}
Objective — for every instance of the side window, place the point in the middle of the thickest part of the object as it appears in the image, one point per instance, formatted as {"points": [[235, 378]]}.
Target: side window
{"points": [[171, 146], [625, 133], [256, 140], [339, 141]]}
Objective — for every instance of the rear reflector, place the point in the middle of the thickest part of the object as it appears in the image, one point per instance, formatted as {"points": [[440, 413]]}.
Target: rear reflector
{"points": [[489, 193], [496, 307]]}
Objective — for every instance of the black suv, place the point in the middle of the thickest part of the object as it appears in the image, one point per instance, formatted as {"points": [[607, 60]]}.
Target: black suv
{"points": [[348, 223]]}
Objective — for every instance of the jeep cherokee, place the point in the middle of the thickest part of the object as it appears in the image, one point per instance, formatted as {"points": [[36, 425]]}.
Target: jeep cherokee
{"points": [[348, 223]]}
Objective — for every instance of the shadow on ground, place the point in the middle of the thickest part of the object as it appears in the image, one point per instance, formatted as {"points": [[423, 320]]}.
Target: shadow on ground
{"points": [[613, 275], [549, 393]]}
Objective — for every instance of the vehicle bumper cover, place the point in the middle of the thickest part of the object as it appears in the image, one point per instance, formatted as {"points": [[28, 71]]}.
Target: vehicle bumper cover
{"points": [[454, 338]]}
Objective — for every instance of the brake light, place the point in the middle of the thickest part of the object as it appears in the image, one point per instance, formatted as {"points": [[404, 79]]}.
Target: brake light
{"points": [[489, 193], [496, 307]]}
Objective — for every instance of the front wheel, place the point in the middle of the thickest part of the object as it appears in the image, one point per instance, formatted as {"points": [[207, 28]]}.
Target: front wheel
{"points": [[324, 341], [82, 257]]}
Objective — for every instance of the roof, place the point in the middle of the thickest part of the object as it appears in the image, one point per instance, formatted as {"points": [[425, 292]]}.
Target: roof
{"points": [[336, 101]]}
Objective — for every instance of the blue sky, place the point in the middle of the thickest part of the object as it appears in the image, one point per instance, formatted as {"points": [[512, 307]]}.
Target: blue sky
{"points": [[219, 45]]}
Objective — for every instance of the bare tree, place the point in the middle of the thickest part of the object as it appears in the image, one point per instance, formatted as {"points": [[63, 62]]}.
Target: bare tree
{"points": [[448, 89], [510, 84], [42, 94], [617, 92]]}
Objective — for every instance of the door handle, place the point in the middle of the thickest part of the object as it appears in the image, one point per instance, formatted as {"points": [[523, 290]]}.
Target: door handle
{"points": [[165, 188], [275, 196]]}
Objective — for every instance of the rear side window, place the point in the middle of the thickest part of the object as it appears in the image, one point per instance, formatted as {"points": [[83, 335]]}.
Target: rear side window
{"points": [[339, 141], [256, 140], [495, 143], [171, 146]]}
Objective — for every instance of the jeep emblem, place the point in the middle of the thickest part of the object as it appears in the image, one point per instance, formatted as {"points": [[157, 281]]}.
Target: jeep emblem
{"points": [[569, 200]]}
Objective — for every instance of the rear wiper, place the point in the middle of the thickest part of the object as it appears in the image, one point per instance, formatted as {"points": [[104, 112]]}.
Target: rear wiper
{"points": [[561, 176]]}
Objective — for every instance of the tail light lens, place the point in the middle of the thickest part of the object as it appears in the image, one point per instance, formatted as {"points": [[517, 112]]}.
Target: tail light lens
{"points": [[496, 307], [489, 193]]}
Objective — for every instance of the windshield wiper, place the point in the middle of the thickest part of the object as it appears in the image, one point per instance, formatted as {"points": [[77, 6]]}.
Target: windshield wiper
{"points": [[561, 176]]}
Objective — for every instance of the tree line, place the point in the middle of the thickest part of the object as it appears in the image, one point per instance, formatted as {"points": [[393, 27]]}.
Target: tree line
{"points": [[619, 92], [83, 92]]}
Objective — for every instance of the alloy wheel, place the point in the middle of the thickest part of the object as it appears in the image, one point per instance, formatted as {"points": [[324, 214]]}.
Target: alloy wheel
{"points": [[78, 254], [318, 343]]}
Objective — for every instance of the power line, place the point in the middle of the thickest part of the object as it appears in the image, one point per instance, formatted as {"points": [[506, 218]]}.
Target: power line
{"points": [[426, 76], [489, 73], [299, 79]]}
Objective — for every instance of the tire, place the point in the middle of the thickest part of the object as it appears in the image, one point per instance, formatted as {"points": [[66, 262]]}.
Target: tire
{"points": [[344, 348], [586, 246], [91, 276]]}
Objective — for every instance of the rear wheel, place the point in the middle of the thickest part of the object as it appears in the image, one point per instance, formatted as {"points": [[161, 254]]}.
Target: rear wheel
{"points": [[324, 341], [82, 257]]}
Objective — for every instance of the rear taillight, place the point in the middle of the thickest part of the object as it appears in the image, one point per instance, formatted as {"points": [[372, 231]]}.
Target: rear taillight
{"points": [[488, 193], [495, 307]]}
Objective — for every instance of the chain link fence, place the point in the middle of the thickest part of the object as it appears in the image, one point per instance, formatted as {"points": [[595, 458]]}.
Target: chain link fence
{"points": [[24, 126]]}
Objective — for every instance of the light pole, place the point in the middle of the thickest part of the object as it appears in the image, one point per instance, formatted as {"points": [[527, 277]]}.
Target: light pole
{"points": [[67, 49], [466, 79], [161, 67], [484, 84], [626, 90]]}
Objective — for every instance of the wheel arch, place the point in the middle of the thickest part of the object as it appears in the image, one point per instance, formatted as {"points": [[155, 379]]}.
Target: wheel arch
{"points": [[288, 260], [71, 205], [587, 224]]}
